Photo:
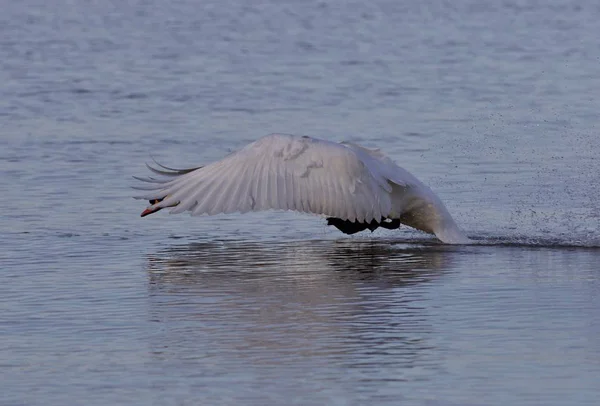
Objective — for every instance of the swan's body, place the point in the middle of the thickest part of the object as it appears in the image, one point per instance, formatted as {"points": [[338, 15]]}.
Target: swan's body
{"points": [[355, 187]]}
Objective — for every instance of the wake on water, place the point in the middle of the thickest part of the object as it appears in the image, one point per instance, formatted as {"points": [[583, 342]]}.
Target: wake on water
{"points": [[488, 240], [542, 242]]}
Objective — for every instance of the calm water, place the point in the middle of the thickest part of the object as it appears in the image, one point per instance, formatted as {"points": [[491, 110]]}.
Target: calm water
{"points": [[495, 106]]}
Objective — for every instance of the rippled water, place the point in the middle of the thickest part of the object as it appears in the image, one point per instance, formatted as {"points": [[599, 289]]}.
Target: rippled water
{"points": [[493, 105]]}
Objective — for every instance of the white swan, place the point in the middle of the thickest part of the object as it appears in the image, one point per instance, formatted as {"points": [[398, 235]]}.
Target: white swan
{"points": [[355, 187]]}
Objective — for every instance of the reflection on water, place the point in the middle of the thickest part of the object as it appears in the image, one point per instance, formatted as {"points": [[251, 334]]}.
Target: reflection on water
{"points": [[324, 319], [374, 259], [353, 304]]}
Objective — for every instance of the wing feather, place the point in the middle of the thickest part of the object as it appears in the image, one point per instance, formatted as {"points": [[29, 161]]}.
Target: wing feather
{"points": [[317, 193], [327, 198], [292, 190], [282, 172], [324, 194], [222, 198]]}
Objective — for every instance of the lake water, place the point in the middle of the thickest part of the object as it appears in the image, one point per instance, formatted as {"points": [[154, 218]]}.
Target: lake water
{"points": [[495, 106]]}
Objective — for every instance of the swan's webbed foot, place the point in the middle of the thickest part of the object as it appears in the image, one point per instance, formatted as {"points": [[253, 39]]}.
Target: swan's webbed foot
{"points": [[353, 227], [346, 226]]}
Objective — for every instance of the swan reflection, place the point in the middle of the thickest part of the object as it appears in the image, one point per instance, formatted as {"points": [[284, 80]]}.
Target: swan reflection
{"points": [[348, 300]]}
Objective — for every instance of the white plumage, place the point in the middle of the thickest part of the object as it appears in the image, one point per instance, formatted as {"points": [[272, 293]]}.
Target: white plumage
{"points": [[341, 181]]}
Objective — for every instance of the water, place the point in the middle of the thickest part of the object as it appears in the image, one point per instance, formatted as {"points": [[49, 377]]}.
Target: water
{"points": [[493, 105]]}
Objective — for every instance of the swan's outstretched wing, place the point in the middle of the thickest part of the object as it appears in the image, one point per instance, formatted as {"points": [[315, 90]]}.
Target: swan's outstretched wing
{"points": [[283, 172]]}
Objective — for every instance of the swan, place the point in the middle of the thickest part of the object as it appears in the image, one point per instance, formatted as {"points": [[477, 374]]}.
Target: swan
{"points": [[355, 188]]}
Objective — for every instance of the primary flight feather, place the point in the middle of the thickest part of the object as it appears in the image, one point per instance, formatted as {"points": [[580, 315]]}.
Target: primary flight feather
{"points": [[355, 187]]}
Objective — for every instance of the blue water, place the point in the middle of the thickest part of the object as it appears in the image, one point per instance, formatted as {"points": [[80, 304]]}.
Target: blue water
{"points": [[495, 106]]}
